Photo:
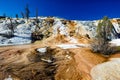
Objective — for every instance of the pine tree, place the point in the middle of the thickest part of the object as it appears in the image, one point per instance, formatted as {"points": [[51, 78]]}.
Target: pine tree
{"points": [[104, 29], [101, 44]]}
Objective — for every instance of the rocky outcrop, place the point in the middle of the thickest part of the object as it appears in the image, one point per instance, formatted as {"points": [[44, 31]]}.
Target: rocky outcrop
{"points": [[45, 27], [107, 71]]}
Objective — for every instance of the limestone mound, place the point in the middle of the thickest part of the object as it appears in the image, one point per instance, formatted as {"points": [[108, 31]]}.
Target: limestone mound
{"points": [[107, 71]]}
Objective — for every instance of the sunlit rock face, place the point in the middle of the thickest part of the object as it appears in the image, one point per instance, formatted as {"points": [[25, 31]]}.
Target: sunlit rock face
{"points": [[116, 24], [20, 31], [90, 27], [58, 27], [107, 71]]}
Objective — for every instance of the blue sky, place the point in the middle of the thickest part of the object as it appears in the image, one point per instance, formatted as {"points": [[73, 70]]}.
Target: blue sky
{"points": [[69, 9]]}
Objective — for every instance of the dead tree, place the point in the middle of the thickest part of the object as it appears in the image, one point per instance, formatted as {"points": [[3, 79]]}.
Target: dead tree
{"points": [[22, 14], [16, 16], [27, 12]]}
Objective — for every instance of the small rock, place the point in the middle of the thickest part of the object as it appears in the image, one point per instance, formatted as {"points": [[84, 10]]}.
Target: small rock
{"points": [[42, 50], [68, 56], [46, 60]]}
